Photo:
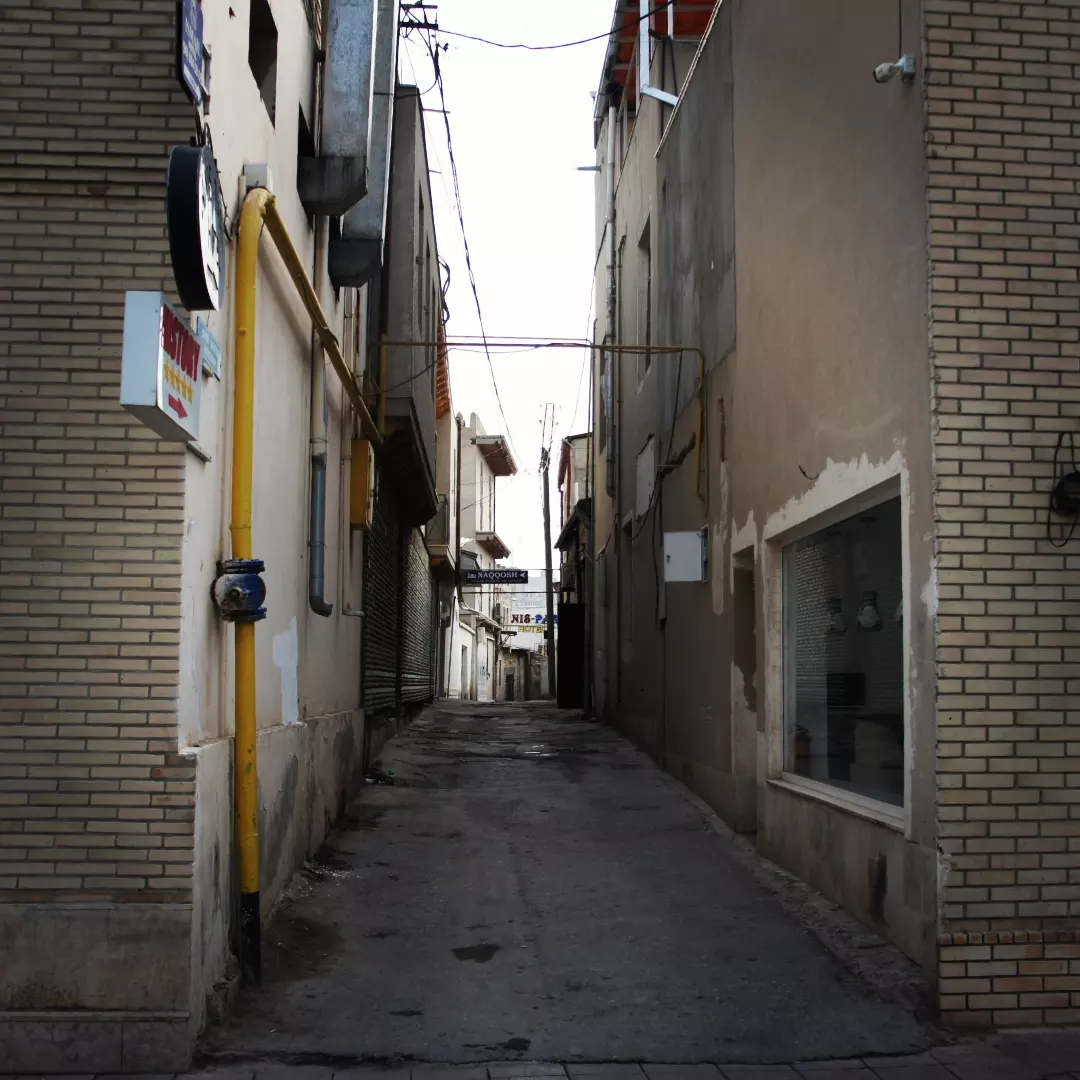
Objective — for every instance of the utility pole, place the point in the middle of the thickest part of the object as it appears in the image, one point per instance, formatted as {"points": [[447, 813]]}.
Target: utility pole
{"points": [[545, 459]]}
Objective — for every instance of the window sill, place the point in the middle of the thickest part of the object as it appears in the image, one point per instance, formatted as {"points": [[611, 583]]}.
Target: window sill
{"points": [[891, 817]]}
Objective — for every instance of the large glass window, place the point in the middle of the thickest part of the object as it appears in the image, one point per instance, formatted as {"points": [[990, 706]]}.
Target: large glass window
{"points": [[843, 655]]}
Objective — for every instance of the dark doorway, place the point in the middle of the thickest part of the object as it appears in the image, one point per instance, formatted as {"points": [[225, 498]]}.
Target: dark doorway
{"points": [[570, 657], [509, 687]]}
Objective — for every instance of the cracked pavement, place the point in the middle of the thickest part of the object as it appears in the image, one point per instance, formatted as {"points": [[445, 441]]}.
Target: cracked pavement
{"points": [[531, 888]]}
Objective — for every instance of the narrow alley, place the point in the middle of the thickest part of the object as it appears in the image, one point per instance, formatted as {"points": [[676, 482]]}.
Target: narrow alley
{"points": [[526, 885]]}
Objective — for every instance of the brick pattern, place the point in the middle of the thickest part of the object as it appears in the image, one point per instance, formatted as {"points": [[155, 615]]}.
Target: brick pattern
{"points": [[1003, 116], [95, 803], [1001, 977]]}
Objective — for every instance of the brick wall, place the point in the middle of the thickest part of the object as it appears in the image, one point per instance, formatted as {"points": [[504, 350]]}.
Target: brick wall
{"points": [[1003, 112], [94, 801]]}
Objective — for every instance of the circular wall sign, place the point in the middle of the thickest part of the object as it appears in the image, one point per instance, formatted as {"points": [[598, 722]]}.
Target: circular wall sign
{"points": [[196, 227]]}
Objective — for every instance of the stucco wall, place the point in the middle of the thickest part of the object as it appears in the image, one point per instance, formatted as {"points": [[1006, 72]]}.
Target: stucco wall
{"points": [[831, 352], [788, 232]]}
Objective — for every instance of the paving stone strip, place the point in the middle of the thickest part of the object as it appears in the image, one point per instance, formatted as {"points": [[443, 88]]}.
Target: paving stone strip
{"points": [[1043, 1055]]}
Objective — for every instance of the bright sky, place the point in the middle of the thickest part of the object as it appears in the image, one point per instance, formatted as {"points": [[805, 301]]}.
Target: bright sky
{"points": [[521, 124]]}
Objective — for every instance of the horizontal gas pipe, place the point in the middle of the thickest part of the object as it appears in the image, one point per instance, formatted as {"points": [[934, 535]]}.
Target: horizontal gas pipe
{"points": [[259, 207]]}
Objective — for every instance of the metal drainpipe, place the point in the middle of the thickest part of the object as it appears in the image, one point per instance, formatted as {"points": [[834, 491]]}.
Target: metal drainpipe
{"points": [[317, 508], [457, 517]]}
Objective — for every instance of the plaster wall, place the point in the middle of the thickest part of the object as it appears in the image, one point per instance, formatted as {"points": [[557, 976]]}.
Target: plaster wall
{"points": [[307, 666], [788, 232]]}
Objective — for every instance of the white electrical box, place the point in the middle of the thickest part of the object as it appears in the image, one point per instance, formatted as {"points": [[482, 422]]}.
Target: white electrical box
{"points": [[685, 556]]}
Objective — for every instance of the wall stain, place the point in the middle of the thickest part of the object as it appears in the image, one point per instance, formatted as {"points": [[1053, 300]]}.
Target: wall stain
{"points": [[480, 954], [878, 870], [272, 832]]}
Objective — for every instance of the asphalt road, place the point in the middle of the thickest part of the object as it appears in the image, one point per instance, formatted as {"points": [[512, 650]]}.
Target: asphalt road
{"points": [[531, 887]]}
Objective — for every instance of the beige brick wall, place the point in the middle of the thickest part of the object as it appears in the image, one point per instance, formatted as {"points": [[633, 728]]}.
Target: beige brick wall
{"points": [[1003, 116], [94, 800]]}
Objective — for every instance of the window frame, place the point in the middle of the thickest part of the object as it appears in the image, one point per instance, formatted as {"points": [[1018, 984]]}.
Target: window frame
{"points": [[810, 516]]}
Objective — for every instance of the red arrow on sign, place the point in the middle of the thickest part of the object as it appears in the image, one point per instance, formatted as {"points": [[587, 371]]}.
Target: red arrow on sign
{"points": [[177, 407]]}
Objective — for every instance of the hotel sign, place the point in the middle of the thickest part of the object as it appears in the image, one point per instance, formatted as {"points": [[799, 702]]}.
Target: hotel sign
{"points": [[159, 374], [526, 620]]}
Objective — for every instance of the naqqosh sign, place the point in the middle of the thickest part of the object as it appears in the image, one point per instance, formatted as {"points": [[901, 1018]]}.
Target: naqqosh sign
{"points": [[494, 577]]}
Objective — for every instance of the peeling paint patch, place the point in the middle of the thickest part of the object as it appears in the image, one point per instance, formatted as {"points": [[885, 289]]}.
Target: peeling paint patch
{"points": [[837, 482], [719, 543], [287, 661], [741, 539], [944, 870], [930, 591]]}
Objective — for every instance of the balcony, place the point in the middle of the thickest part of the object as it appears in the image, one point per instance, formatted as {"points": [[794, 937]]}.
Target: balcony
{"points": [[495, 450], [493, 545]]}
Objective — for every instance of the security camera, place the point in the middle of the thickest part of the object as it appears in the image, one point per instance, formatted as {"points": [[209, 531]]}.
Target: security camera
{"points": [[904, 67]]}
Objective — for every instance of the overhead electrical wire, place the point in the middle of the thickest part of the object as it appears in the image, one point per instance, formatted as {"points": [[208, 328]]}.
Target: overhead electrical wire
{"points": [[433, 52], [538, 48], [587, 353]]}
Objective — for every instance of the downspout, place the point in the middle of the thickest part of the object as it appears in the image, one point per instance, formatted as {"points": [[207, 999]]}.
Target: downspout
{"points": [[609, 419], [612, 652], [317, 510], [457, 517], [259, 207], [317, 505]]}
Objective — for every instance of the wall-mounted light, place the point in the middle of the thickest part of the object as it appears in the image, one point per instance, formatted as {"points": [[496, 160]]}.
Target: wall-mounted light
{"points": [[904, 67], [869, 618]]}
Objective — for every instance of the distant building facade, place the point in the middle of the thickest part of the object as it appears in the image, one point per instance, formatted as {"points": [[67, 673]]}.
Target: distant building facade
{"points": [[473, 652]]}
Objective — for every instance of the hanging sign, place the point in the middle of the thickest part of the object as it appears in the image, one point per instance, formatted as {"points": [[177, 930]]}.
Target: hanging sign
{"points": [[494, 577], [189, 48], [196, 226], [530, 620], [159, 375]]}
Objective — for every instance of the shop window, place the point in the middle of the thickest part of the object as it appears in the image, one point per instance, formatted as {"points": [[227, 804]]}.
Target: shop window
{"points": [[844, 655], [262, 52]]}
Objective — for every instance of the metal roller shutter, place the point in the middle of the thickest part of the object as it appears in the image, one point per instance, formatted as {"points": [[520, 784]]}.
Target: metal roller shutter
{"points": [[381, 602], [418, 622]]}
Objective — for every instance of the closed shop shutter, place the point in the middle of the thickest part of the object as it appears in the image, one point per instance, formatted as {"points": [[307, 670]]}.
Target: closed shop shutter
{"points": [[419, 615], [381, 602]]}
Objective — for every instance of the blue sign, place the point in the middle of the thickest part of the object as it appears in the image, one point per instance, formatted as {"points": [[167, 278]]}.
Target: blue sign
{"points": [[211, 349], [189, 48]]}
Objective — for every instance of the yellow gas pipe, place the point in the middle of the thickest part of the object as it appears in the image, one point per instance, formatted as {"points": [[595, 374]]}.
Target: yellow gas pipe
{"points": [[259, 208]]}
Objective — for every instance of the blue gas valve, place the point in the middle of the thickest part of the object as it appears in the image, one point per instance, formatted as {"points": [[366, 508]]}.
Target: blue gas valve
{"points": [[238, 590]]}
